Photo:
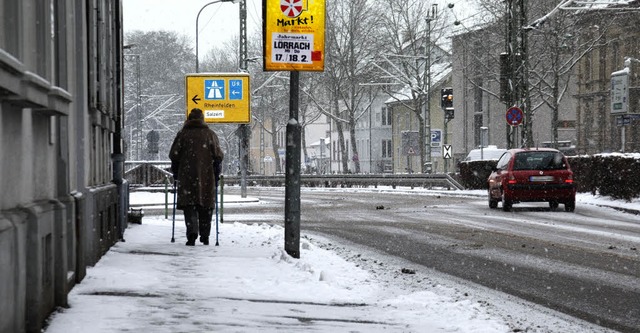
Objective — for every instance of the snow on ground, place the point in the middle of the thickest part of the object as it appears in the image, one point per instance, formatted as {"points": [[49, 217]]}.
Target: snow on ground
{"points": [[250, 284]]}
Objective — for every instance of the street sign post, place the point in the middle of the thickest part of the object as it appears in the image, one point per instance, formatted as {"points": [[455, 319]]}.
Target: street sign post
{"points": [[222, 97], [514, 116], [620, 92], [436, 138], [411, 143]]}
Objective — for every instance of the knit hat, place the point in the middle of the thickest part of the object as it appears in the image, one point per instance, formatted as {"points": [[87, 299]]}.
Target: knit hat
{"points": [[196, 114]]}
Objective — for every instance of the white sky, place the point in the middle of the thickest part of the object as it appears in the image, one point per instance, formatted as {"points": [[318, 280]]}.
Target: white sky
{"points": [[218, 22], [249, 284]]}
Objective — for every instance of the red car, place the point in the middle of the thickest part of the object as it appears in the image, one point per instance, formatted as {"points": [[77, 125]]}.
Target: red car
{"points": [[532, 174]]}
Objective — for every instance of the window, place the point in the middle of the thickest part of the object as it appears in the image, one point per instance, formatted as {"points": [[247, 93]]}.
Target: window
{"points": [[539, 161], [45, 33], [504, 161], [387, 149], [334, 152], [10, 33], [60, 44], [386, 116]]}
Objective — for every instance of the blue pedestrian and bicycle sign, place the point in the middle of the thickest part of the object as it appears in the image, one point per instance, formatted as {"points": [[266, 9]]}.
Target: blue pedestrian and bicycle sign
{"points": [[514, 116]]}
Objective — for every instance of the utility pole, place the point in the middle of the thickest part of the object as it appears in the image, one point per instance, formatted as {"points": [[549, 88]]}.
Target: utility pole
{"points": [[243, 129], [514, 72], [527, 133], [426, 155]]}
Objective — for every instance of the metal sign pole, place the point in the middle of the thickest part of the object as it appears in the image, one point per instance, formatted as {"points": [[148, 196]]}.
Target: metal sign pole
{"points": [[292, 172]]}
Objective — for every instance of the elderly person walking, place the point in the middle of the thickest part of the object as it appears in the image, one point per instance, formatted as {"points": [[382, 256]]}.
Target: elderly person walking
{"points": [[196, 158]]}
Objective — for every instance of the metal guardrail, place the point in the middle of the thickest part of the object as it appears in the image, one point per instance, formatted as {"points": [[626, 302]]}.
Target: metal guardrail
{"points": [[155, 173], [147, 173], [349, 180]]}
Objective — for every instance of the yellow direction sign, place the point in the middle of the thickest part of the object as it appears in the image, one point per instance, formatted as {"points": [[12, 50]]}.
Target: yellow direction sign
{"points": [[293, 33], [222, 97]]}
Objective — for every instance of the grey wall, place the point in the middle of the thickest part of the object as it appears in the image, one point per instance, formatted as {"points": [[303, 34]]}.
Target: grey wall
{"points": [[60, 110]]}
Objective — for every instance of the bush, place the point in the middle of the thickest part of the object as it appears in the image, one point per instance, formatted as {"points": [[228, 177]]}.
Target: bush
{"points": [[474, 174]]}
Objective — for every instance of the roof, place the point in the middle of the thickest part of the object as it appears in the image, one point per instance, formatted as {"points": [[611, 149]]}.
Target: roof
{"points": [[487, 153], [441, 70], [520, 150]]}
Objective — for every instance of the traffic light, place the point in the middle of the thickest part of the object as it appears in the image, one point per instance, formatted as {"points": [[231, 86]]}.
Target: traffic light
{"points": [[447, 103], [447, 98], [448, 114], [505, 75]]}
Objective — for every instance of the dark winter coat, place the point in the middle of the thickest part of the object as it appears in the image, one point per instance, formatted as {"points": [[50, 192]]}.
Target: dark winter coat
{"points": [[195, 162]]}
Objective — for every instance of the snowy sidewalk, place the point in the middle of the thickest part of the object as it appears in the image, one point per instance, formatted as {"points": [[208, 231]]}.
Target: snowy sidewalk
{"points": [[250, 284], [247, 284]]}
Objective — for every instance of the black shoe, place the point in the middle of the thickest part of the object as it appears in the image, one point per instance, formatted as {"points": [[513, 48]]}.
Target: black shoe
{"points": [[204, 240], [191, 240]]}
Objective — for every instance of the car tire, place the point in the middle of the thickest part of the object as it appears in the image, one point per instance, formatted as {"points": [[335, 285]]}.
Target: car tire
{"points": [[553, 205], [570, 206], [493, 203], [506, 203]]}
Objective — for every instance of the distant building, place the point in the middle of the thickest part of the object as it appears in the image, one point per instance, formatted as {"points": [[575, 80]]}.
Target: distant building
{"points": [[405, 127], [480, 114], [599, 130], [373, 133]]}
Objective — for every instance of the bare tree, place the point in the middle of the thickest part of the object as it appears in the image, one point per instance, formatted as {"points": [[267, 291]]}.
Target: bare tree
{"points": [[552, 53], [162, 58], [221, 58], [308, 111], [411, 29], [557, 51], [352, 42]]}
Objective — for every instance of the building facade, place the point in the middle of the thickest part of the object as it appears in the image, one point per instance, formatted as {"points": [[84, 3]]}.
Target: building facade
{"points": [[405, 130], [373, 135], [481, 115], [61, 159], [599, 128]]}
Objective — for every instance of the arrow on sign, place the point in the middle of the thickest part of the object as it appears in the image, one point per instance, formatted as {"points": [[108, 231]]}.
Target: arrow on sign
{"points": [[195, 99]]}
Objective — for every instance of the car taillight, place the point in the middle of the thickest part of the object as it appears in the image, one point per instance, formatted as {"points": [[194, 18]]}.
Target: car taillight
{"points": [[512, 179], [569, 180]]}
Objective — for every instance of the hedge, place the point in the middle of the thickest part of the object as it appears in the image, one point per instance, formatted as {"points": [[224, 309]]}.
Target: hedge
{"points": [[615, 175]]}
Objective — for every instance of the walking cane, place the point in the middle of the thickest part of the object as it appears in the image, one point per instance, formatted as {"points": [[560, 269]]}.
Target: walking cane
{"points": [[216, 196], [173, 225]]}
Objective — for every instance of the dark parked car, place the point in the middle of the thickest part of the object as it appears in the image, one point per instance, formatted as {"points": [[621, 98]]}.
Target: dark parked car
{"points": [[532, 174]]}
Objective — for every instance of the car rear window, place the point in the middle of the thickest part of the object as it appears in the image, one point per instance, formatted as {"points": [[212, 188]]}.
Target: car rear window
{"points": [[539, 160]]}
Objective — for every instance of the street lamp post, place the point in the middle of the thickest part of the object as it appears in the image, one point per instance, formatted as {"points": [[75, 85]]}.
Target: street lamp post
{"points": [[197, 18], [425, 155]]}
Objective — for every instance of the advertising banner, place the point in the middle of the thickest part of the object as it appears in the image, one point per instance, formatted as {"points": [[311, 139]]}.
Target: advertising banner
{"points": [[293, 35]]}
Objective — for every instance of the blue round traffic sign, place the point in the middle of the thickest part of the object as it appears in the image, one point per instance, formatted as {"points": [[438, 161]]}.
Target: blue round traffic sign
{"points": [[514, 116]]}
